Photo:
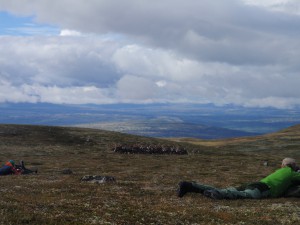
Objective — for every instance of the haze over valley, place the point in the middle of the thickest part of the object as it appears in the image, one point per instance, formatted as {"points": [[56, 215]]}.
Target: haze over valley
{"points": [[156, 120]]}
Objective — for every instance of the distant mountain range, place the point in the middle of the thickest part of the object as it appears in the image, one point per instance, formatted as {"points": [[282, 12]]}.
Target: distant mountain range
{"points": [[165, 128], [156, 120]]}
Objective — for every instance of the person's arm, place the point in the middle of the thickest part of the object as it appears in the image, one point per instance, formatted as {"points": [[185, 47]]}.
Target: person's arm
{"points": [[296, 176], [15, 171]]}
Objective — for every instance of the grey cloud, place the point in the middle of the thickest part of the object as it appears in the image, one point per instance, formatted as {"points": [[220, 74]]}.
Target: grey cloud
{"points": [[57, 69], [137, 89], [57, 61], [88, 70], [225, 31], [169, 50]]}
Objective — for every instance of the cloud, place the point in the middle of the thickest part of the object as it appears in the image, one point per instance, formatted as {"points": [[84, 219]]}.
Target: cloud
{"points": [[286, 6], [54, 60], [240, 52], [69, 33], [81, 70], [137, 89]]}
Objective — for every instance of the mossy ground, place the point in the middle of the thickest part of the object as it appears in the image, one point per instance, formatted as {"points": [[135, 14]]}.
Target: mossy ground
{"points": [[145, 187]]}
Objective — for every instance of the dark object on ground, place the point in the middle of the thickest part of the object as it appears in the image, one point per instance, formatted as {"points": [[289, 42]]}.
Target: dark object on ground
{"points": [[25, 170], [98, 179], [150, 149], [67, 171]]}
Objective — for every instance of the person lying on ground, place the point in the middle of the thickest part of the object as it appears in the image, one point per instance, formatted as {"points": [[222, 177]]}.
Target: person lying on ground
{"points": [[25, 170], [9, 169], [273, 185]]}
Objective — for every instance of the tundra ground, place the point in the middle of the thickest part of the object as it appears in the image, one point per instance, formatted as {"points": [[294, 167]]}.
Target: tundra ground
{"points": [[145, 187]]}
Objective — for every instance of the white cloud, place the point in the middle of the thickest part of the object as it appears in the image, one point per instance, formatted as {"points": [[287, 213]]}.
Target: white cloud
{"points": [[89, 70], [35, 93], [161, 83], [67, 32], [266, 3], [286, 6]]}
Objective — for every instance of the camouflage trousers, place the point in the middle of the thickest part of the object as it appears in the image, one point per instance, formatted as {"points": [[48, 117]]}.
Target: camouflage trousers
{"points": [[233, 193]]}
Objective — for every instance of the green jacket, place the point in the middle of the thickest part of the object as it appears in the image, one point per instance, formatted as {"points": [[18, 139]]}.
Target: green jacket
{"points": [[281, 180]]}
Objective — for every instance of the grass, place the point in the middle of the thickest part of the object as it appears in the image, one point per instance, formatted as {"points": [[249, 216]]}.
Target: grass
{"points": [[145, 187]]}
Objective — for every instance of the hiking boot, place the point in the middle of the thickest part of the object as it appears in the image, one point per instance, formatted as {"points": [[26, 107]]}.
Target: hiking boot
{"points": [[184, 187], [214, 194]]}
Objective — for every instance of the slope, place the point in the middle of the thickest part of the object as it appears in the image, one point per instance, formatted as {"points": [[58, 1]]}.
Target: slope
{"points": [[145, 187], [286, 141]]}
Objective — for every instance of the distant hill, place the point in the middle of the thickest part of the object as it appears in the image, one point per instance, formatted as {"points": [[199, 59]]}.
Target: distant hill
{"points": [[168, 127], [284, 141], [204, 121]]}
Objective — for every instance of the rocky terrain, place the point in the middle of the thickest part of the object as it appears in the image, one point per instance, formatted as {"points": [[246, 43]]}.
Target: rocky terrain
{"points": [[141, 187]]}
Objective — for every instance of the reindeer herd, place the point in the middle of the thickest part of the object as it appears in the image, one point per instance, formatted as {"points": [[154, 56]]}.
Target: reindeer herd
{"points": [[149, 149]]}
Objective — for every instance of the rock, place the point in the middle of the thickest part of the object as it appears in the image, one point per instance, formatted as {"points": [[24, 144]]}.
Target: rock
{"points": [[98, 179], [67, 171]]}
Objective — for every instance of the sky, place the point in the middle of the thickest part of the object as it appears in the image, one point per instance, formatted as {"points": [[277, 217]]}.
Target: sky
{"points": [[242, 52]]}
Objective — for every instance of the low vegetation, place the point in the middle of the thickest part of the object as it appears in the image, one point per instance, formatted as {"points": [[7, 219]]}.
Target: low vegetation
{"points": [[144, 191]]}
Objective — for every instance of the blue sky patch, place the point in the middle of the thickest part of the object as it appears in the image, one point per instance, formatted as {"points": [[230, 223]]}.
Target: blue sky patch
{"points": [[24, 26]]}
